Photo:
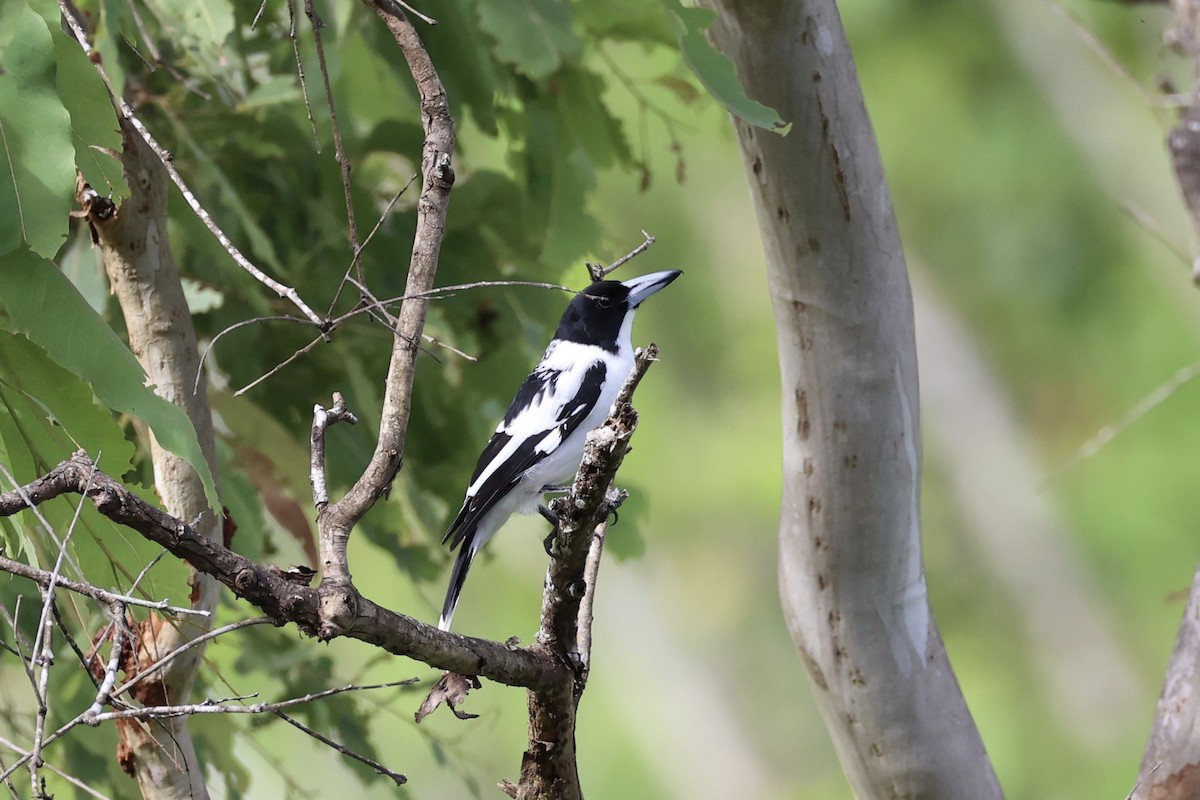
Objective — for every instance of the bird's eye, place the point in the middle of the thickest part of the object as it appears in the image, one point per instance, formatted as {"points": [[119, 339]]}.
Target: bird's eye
{"points": [[604, 302]]}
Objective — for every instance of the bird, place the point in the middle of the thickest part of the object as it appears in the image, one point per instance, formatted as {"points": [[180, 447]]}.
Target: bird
{"points": [[539, 443]]}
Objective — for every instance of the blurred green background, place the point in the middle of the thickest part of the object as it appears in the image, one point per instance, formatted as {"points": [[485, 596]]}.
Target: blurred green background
{"points": [[1033, 194], [1019, 163], [1013, 154], [1051, 264]]}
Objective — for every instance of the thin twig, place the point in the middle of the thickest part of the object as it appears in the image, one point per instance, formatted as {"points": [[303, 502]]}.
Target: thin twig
{"points": [[19, 640], [235, 326], [397, 777], [165, 157], [306, 349], [339, 147], [68, 778], [258, 15], [42, 578], [104, 692], [598, 272], [1102, 52], [322, 420], [219, 707], [8, 784], [43, 653], [146, 570], [58, 734], [312, 122], [44, 660], [356, 258], [415, 13], [85, 660], [591, 572], [387, 210], [1141, 408], [208, 636], [1152, 227]]}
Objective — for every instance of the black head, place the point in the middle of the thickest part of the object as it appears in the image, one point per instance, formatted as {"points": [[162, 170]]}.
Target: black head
{"points": [[595, 315]]}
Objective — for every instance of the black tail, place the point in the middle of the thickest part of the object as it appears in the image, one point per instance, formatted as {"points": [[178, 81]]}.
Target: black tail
{"points": [[458, 577]]}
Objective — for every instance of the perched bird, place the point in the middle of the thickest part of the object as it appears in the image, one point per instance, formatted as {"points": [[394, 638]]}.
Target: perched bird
{"points": [[539, 443]]}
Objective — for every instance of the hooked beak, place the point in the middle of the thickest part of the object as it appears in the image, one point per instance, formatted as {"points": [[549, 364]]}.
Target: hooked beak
{"points": [[643, 286]]}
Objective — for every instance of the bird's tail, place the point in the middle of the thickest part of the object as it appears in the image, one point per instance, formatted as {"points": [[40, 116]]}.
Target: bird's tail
{"points": [[458, 577]]}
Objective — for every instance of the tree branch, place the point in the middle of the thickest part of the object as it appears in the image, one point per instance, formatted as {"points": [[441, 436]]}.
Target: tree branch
{"points": [[548, 768], [337, 520], [279, 598], [1171, 763]]}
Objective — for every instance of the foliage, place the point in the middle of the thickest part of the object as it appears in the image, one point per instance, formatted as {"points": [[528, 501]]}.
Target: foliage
{"points": [[219, 84]]}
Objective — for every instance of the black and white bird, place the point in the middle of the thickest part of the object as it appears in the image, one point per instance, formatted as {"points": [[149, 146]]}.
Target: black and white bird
{"points": [[539, 443]]}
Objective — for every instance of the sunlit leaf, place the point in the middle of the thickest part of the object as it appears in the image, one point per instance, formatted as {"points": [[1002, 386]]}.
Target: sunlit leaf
{"points": [[713, 69], [37, 171], [49, 310], [49, 413], [94, 126], [533, 35]]}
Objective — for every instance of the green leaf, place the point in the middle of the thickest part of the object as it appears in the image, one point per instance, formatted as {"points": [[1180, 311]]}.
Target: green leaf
{"points": [[582, 112], [64, 401], [199, 28], [80, 262], [47, 413], [47, 308], [37, 172], [534, 36], [713, 69], [93, 121]]}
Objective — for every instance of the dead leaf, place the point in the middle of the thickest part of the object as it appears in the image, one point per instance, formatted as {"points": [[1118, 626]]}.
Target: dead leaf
{"points": [[451, 689]]}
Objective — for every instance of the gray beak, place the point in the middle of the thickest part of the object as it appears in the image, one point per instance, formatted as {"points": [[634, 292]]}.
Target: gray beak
{"points": [[643, 286]]}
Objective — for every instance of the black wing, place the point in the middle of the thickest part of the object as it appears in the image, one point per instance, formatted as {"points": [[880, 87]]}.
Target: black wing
{"points": [[519, 444]]}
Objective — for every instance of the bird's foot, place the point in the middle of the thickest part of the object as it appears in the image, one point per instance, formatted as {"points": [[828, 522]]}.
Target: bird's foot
{"points": [[549, 543], [548, 515]]}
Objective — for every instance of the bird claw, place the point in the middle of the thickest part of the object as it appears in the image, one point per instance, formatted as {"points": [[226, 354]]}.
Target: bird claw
{"points": [[548, 515], [550, 542]]}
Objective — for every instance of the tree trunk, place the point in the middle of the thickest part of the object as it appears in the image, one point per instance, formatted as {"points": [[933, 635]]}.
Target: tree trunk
{"points": [[1171, 764], [141, 270], [851, 574]]}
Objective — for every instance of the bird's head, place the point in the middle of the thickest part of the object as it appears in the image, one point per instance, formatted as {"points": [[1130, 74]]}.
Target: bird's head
{"points": [[598, 314]]}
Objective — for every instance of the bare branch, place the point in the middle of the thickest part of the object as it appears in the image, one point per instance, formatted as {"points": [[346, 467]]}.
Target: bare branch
{"points": [[312, 123], [214, 707], [1161, 393], [339, 148], [550, 759], [279, 598], [78, 784], [44, 579], [1172, 750], [213, 634], [397, 778], [597, 272], [338, 519], [322, 420], [104, 692]]}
